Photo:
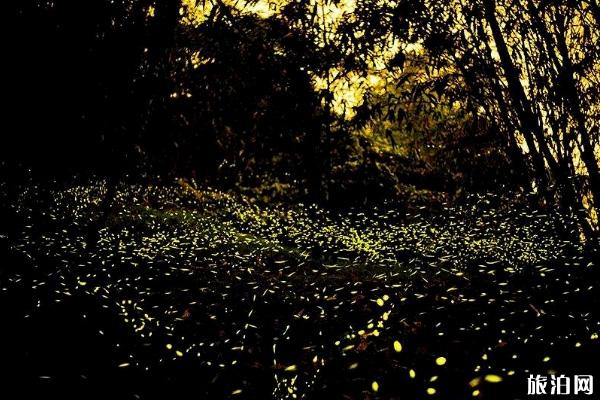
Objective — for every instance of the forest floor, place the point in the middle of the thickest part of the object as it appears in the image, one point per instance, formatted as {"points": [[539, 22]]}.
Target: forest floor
{"points": [[190, 293]]}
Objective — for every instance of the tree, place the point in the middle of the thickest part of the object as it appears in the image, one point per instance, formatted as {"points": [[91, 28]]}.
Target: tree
{"points": [[529, 66]]}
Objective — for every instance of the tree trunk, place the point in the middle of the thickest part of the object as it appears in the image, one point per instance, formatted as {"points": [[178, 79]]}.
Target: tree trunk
{"points": [[574, 103], [528, 122]]}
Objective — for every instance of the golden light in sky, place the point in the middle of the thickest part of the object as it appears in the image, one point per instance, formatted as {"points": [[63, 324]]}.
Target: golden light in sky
{"points": [[348, 87]]}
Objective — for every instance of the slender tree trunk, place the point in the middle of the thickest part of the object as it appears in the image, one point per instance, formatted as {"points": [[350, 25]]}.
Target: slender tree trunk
{"points": [[515, 152], [531, 129], [574, 103]]}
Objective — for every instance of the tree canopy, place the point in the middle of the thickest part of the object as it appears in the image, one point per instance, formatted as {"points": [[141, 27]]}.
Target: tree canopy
{"points": [[315, 97]]}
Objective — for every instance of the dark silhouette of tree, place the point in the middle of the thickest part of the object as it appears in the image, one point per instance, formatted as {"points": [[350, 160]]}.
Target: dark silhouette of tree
{"points": [[131, 87], [529, 69]]}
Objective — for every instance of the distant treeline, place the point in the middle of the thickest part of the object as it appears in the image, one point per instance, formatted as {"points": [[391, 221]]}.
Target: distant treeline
{"points": [[320, 99]]}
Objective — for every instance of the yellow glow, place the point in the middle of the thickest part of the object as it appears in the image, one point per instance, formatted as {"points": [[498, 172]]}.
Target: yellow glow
{"points": [[348, 87], [195, 12]]}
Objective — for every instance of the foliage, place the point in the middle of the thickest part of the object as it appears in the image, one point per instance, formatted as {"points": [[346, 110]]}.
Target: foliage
{"points": [[315, 96]]}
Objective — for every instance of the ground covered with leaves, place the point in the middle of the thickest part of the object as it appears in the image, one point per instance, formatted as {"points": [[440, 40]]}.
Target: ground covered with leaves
{"points": [[190, 293]]}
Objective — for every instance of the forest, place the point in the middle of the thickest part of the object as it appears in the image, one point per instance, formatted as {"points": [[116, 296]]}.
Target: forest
{"points": [[300, 199]]}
